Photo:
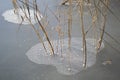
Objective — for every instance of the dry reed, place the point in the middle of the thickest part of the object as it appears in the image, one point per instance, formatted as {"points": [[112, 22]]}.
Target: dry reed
{"points": [[97, 11]]}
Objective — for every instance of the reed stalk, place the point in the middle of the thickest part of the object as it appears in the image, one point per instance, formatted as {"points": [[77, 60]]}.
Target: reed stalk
{"points": [[103, 25], [36, 31], [26, 5], [37, 15], [14, 2], [69, 24], [81, 5], [23, 8]]}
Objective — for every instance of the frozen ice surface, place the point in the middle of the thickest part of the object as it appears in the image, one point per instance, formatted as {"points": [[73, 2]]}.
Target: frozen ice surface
{"points": [[67, 63], [13, 17]]}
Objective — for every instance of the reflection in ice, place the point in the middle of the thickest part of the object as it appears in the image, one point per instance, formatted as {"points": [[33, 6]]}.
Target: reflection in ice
{"points": [[67, 62]]}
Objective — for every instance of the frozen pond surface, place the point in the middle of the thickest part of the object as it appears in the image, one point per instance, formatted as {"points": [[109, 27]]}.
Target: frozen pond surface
{"points": [[15, 41]]}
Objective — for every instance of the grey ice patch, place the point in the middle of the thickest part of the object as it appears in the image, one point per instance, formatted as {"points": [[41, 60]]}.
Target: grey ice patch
{"points": [[67, 63], [13, 17]]}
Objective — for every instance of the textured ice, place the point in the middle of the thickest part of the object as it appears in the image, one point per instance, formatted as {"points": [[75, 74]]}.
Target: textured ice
{"points": [[67, 63], [10, 16]]}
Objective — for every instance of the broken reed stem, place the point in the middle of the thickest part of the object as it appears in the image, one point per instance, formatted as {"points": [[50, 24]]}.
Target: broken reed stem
{"points": [[81, 2]]}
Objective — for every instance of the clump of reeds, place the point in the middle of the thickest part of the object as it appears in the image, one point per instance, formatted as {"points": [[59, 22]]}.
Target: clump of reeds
{"points": [[99, 11], [25, 6]]}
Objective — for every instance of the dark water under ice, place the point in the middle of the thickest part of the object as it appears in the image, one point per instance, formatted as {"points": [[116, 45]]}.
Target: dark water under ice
{"points": [[15, 42]]}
